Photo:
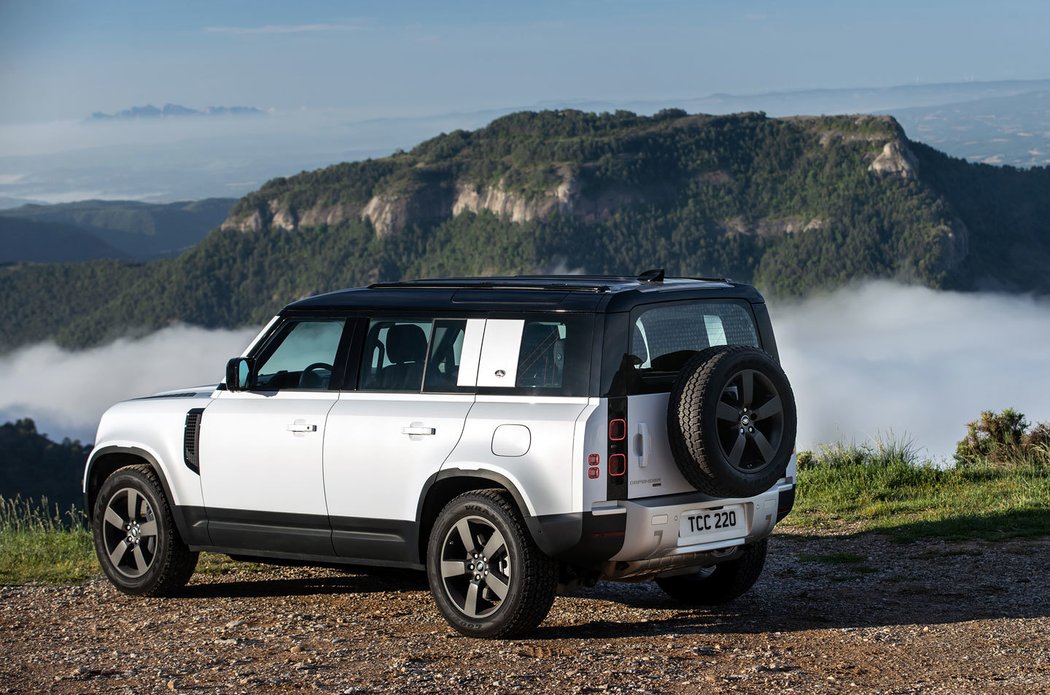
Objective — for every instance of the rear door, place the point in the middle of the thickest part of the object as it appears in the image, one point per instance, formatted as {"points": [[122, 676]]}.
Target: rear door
{"points": [[386, 438], [663, 337]]}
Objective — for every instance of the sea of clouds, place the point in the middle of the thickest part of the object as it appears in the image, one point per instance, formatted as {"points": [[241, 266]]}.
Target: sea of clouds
{"points": [[880, 358], [869, 361]]}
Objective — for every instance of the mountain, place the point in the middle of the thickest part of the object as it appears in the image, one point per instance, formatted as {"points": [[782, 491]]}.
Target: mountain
{"points": [[32, 466], [93, 229], [49, 242], [174, 111], [7, 202], [1011, 129], [795, 205]]}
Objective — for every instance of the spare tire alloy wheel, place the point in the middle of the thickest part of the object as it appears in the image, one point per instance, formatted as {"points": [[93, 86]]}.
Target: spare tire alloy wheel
{"points": [[487, 576], [732, 421]]}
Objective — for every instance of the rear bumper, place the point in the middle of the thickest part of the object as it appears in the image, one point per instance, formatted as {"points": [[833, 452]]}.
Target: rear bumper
{"points": [[652, 524], [632, 538]]}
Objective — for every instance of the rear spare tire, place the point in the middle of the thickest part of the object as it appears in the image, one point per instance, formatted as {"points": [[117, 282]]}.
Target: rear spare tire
{"points": [[731, 421]]}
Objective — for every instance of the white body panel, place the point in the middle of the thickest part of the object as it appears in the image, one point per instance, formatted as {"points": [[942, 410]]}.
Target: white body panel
{"points": [[262, 452], [379, 450], [154, 425], [545, 475]]}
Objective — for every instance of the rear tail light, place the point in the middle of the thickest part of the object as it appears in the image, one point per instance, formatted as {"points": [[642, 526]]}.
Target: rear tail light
{"points": [[616, 449]]}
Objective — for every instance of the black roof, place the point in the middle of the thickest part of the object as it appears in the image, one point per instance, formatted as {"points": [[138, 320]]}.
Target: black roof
{"points": [[584, 293]]}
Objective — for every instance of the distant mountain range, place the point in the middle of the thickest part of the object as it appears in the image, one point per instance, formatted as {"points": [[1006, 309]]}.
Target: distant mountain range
{"points": [[794, 205], [175, 111], [101, 229]]}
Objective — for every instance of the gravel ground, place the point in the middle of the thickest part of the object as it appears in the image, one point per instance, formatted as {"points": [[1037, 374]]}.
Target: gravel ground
{"points": [[830, 614]]}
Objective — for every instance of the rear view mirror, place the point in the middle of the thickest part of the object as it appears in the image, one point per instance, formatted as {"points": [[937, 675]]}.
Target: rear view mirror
{"points": [[239, 374]]}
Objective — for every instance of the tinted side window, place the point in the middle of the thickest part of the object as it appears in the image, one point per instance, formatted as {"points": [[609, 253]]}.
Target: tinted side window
{"points": [[395, 354], [445, 358], [302, 356], [542, 355]]}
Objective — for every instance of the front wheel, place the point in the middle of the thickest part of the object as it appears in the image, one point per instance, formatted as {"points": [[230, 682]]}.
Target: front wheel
{"points": [[719, 584], [136, 541], [488, 577]]}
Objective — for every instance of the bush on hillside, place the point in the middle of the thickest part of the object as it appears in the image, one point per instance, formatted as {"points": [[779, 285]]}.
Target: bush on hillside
{"points": [[1003, 439]]}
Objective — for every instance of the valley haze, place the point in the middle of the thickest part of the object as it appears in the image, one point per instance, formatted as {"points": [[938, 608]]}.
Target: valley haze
{"points": [[869, 361]]}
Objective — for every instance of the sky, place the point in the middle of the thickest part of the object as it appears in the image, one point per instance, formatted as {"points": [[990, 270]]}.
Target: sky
{"points": [[67, 59]]}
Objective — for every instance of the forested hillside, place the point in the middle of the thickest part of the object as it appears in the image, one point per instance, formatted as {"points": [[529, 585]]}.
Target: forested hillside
{"points": [[793, 205], [32, 466], [121, 229]]}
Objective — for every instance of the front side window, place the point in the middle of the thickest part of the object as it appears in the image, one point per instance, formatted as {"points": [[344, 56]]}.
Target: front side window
{"points": [[301, 357]]}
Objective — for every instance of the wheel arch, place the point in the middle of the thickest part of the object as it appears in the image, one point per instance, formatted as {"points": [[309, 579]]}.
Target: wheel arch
{"points": [[449, 483], [107, 460]]}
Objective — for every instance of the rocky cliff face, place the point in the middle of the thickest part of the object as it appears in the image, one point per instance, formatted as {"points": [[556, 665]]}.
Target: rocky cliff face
{"points": [[390, 213], [430, 192], [896, 159]]}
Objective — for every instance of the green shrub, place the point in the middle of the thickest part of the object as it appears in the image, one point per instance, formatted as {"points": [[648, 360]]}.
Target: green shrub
{"points": [[1003, 439]]}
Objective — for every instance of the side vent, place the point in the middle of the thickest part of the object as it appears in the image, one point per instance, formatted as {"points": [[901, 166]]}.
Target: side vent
{"points": [[191, 440]]}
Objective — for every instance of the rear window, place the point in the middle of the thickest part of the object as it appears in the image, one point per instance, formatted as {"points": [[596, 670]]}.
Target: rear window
{"points": [[664, 337]]}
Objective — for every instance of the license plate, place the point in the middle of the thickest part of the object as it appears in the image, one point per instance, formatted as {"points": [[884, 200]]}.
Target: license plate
{"points": [[713, 524]]}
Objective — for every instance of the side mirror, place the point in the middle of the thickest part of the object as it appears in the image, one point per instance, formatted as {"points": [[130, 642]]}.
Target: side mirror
{"points": [[239, 374]]}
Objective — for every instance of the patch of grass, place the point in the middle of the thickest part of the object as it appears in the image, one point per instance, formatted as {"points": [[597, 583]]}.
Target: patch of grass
{"points": [[41, 544], [887, 488], [841, 562]]}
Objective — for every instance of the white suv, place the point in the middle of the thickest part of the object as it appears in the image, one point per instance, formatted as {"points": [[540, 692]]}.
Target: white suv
{"points": [[511, 436]]}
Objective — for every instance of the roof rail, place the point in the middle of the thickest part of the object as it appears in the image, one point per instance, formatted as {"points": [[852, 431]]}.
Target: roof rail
{"points": [[524, 283]]}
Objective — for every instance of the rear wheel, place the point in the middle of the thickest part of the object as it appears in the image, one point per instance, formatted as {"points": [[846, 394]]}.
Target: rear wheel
{"points": [[721, 583], [137, 543], [488, 577]]}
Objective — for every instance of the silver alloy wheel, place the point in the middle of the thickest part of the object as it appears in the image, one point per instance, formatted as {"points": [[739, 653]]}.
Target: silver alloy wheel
{"points": [[130, 531], [475, 567]]}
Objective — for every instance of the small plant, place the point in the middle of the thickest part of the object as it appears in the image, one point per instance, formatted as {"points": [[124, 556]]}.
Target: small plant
{"points": [[20, 515], [1003, 439]]}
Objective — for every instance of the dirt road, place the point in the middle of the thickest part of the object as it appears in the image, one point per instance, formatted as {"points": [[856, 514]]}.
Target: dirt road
{"points": [[830, 614]]}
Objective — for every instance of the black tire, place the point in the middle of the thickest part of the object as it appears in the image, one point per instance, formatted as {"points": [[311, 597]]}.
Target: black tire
{"points": [[722, 583], [731, 421], [480, 547], [136, 540]]}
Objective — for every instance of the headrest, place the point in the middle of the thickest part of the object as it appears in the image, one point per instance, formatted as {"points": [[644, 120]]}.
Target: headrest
{"points": [[406, 342]]}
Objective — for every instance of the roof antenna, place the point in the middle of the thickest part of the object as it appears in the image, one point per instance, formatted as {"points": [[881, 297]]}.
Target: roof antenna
{"points": [[652, 276]]}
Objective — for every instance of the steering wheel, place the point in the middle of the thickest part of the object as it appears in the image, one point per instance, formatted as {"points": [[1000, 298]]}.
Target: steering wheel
{"points": [[310, 379]]}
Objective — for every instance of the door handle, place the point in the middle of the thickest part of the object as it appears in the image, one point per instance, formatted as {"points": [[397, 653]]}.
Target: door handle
{"points": [[301, 427], [413, 430], [641, 441]]}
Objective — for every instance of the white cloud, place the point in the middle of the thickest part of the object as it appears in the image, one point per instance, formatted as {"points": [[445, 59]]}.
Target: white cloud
{"points": [[66, 392], [285, 29], [863, 362], [881, 358]]}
